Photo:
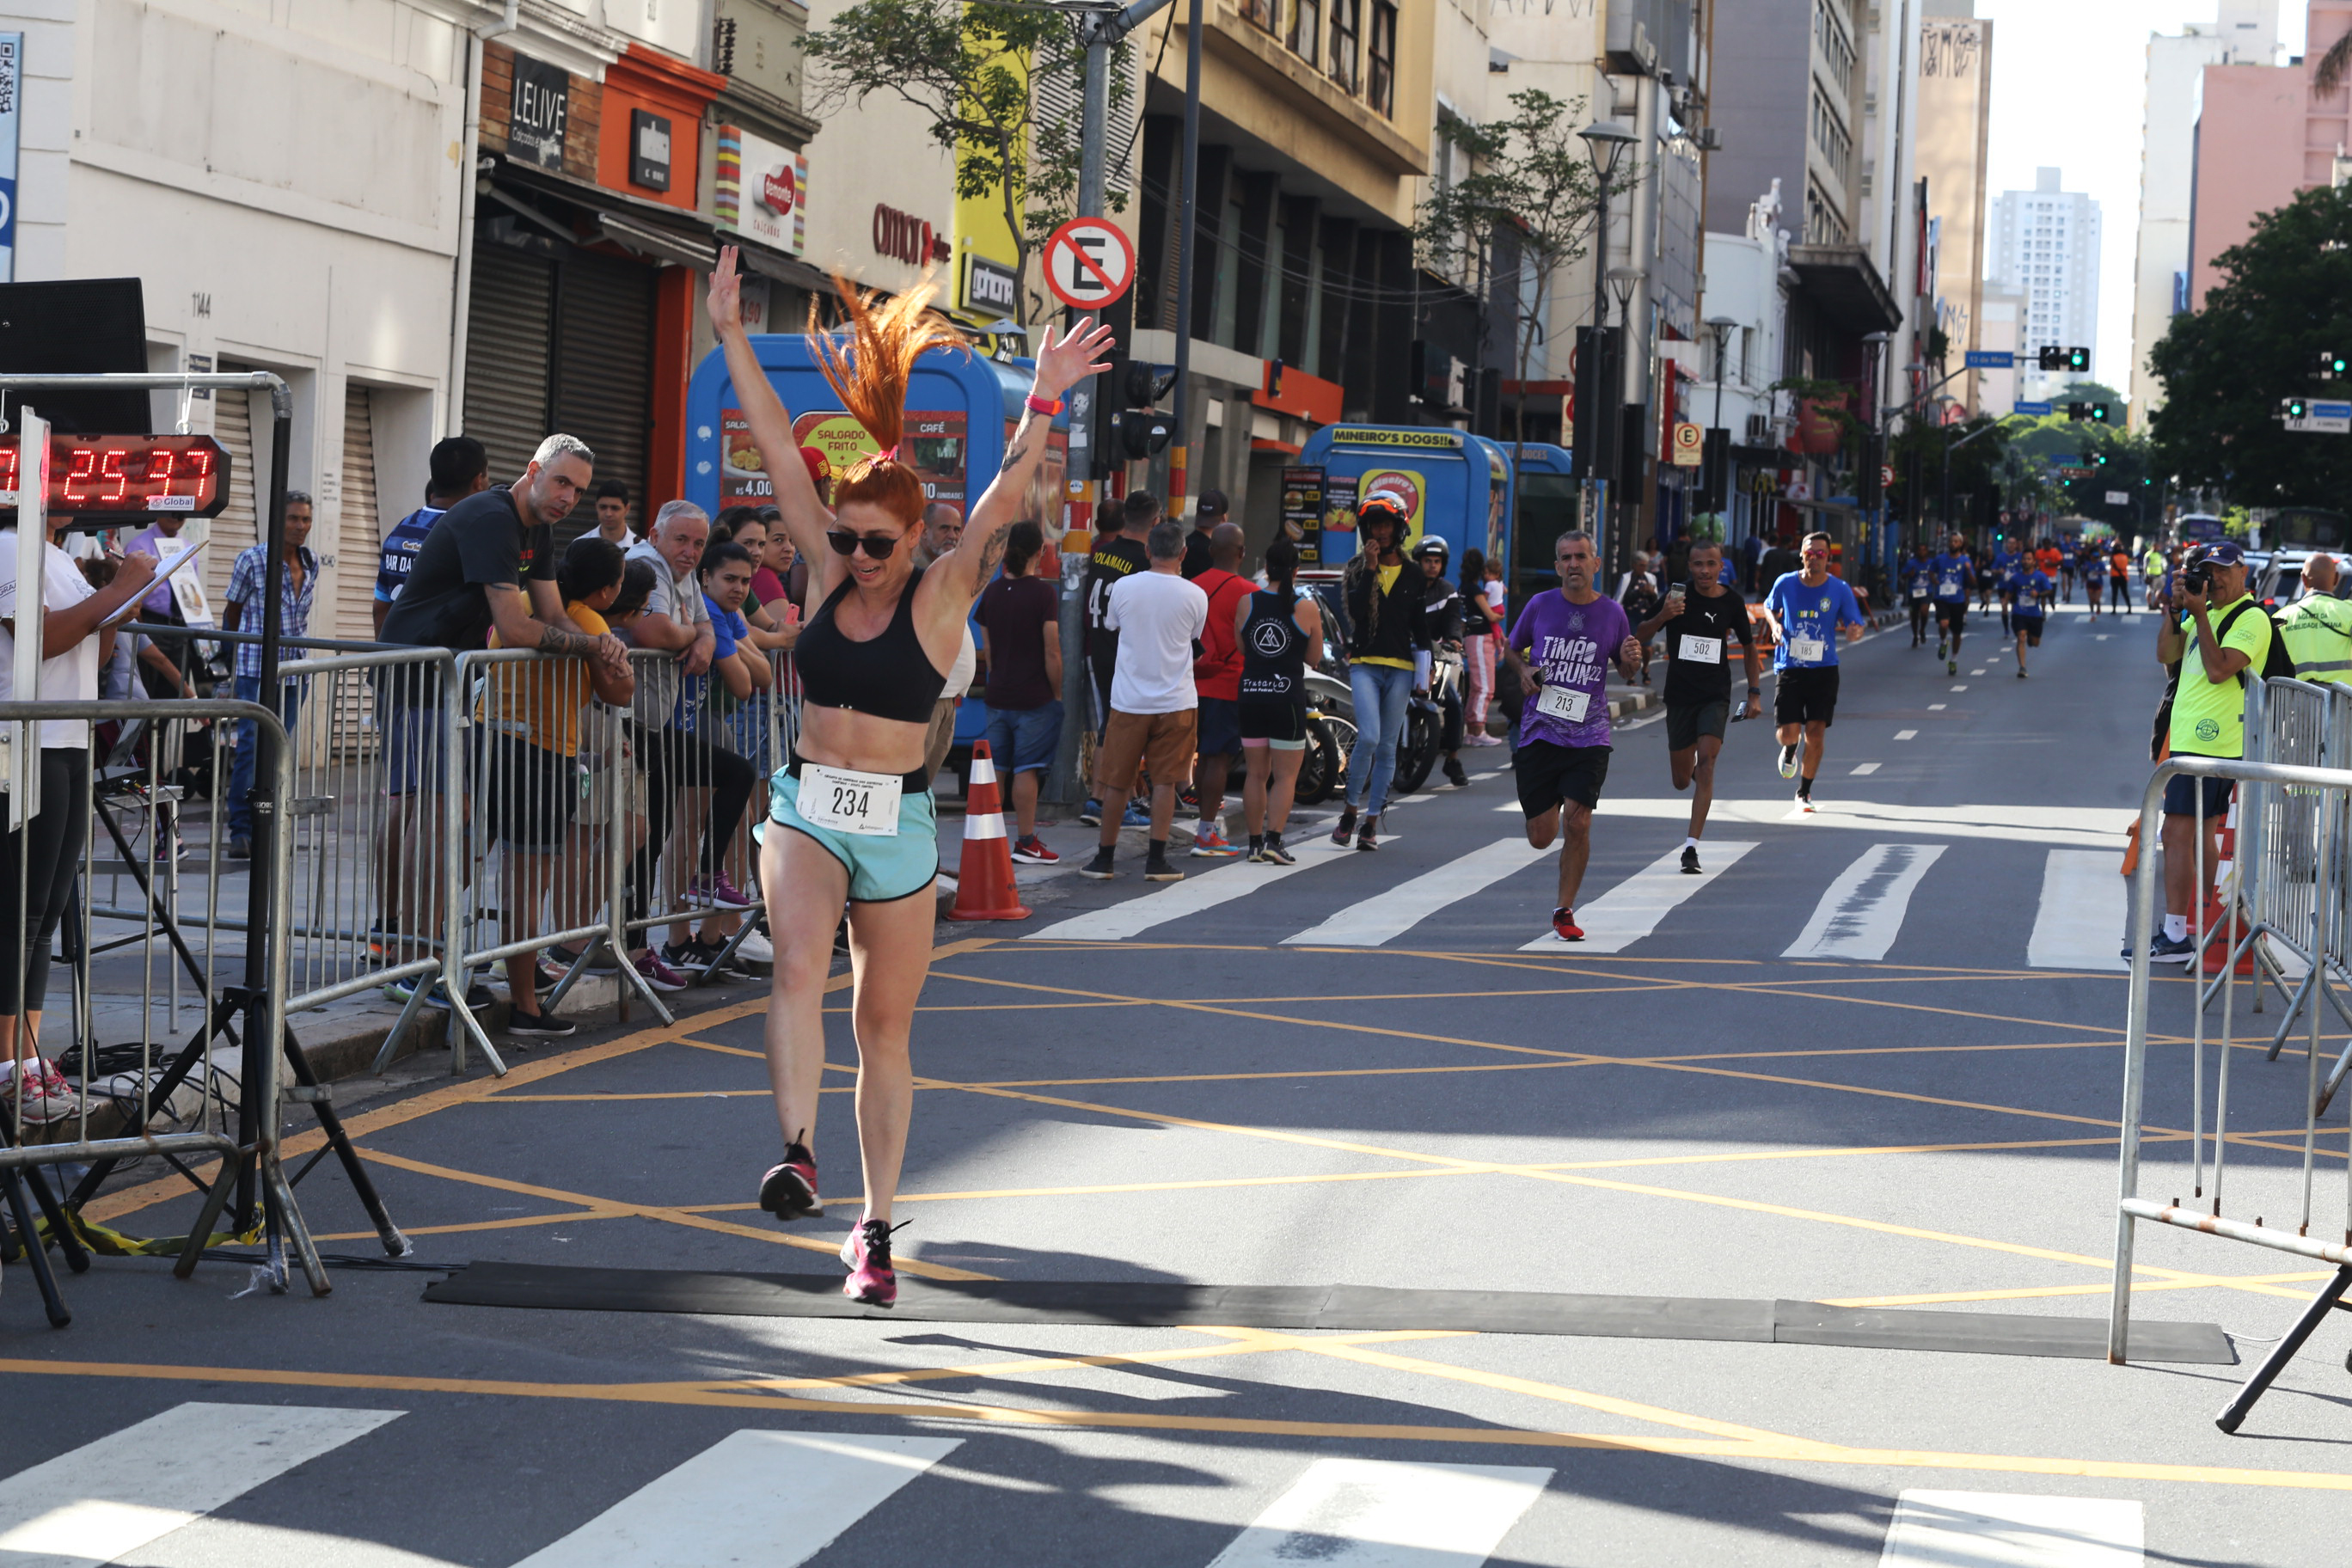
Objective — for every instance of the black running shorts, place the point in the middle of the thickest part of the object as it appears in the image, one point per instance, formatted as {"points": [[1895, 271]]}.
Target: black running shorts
{"points": [[1548, 775], [2029, 628], [1687, 721], [1806, 696], [1952, 614]]}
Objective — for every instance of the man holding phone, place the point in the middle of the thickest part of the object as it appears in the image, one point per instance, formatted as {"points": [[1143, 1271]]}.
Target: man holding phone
{"points": [[1699, 619]]}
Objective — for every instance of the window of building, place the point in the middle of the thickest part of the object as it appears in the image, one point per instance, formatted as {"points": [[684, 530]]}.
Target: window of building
{"points": [[1303, 28], [1347, 20], [1380, 90], [1260, 14], [1828, 33], [1830, 135]]}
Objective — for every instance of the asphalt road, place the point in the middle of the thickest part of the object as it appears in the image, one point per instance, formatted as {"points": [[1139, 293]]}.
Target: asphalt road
{"points": [[1871, 1058]]}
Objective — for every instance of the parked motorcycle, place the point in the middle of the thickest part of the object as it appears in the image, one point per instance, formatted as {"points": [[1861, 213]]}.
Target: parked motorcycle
{"points": [[1330, 716]]}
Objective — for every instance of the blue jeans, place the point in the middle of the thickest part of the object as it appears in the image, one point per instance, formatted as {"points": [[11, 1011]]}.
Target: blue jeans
{"points": [[1381, 692], [248, 746]]}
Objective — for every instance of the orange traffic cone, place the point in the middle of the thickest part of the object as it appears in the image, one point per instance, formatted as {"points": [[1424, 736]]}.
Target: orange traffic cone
{"points": [[984, 889]]}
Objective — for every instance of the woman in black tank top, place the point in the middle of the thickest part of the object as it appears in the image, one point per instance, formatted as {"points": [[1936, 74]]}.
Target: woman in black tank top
{"points": [[850, 818], [1280, 635]]}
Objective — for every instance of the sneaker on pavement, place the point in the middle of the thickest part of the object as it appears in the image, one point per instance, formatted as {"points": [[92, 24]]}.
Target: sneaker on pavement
{"points": [[1137, 815], [718, 893], [1951, 667], [1564, 926], [1032, 851], [240, 847], [477, 995], [1368, 838], [1099, 867], [46, 1095], [657, 975], [601, 963], [714, 959], [1344, 828], [1212, 844], [1091, 812], [1788, 762], [755, 947], [1454, 774], [2171, 949], [541, 1027], [789, 1190], [1276, 852], [1690, 858], [1156, 868], [868, 1253]]}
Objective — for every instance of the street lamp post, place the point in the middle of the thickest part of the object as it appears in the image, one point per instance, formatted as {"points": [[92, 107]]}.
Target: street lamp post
{"points": [[1622, 281], [1721, 326], [1605, 142]]}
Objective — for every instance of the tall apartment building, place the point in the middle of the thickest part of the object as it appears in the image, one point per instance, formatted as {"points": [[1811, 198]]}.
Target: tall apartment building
{"points": [[2245, 33], [2045, 247]]}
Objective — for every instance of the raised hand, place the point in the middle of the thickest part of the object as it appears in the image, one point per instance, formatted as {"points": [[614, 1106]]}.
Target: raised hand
{"points": [[726, 299], [1062, 361]]}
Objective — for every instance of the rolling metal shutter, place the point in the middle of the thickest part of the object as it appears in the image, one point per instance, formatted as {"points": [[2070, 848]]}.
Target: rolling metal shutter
{"points": [[603, 374], [507, 357], [358, 533], [233, 530]]}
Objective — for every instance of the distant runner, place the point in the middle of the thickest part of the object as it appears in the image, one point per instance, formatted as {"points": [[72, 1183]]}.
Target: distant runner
{"points": [[1699, 619], [1953, 572], [2026, 587]]}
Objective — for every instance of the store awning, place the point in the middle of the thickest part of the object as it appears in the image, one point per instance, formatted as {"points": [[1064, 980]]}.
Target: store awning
{"points": [[658, 244], [1841, 280]]}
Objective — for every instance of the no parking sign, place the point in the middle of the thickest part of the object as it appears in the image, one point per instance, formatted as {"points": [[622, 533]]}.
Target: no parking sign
{"points": [[1089, 263]]}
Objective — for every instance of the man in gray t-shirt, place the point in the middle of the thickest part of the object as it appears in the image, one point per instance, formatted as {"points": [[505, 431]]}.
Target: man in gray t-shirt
{"points": [[676, 619]]}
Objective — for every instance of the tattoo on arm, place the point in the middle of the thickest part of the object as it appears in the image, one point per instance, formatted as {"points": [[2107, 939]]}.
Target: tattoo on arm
{"points": [[1016, 451], [561, 641], [991, 553]]}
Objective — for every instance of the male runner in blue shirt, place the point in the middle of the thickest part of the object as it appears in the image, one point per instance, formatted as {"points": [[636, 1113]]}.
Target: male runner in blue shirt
{"points": [[1806, 610], [2025, 588], [1954, 574]]}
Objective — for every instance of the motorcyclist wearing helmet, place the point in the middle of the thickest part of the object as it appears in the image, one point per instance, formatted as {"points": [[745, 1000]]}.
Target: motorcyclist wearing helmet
{"points": [[1442, 619]]}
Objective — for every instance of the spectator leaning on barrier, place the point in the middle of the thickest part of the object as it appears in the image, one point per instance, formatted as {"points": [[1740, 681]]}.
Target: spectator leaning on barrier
{"points": [[248, 581], [488, 561], [1217, 676], [1020, 623], [535, 743], [39, 862], [2220, 646], [459, 468], [740, 677]]}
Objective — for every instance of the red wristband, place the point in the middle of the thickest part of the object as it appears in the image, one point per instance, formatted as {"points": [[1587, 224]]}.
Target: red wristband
{"points": [[1048, 406]]}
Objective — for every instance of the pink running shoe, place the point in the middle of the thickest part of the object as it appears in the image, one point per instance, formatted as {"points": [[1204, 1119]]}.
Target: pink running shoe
{"points": [[719, 893], [868, 1253]]}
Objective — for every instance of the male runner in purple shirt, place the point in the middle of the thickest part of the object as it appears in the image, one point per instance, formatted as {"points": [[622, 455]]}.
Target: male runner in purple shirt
{"points": [[1561, 648]]}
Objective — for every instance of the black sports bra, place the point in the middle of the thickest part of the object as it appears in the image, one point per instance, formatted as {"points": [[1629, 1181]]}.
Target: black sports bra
{"points": [[889, 676]]}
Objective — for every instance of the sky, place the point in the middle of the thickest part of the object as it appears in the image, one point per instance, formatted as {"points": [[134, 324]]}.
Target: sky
{"points": [[2069, 89]]}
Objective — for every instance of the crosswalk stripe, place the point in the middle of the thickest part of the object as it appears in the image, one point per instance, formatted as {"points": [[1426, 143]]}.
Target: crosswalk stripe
{"points": [[1200, 890], [112, 1496], [776, 1499], [1381, 1513], [1633, 909], [1995, 1529], [1861, 912], [1399, 909], [2084, 909]]}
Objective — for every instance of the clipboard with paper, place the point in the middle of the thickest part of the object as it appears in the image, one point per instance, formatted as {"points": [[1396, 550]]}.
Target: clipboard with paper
{"points": [[187, 587]]}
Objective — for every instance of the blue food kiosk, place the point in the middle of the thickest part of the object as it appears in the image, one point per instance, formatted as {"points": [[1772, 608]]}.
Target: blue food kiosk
{"points": [[1447, 482]]}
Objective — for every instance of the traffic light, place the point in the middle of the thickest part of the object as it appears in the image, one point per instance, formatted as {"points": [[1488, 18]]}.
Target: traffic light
{"points": [[2294, 408], [2098, 459], [2078, 411], [1138, 430], [2332, 365], [2078, 360], [2053, 357], [2098, 414]]}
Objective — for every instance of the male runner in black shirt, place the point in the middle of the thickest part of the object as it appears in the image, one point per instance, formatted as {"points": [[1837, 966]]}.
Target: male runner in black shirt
{"points": [[1700, 619]]}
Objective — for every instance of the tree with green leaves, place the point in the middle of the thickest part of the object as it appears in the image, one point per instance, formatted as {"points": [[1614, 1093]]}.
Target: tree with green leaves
{"points": [[981, 77], [1530, 181], [2285, 297]]}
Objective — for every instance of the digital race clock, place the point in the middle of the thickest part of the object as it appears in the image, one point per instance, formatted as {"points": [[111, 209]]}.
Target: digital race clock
{"points": [[102, 475]]}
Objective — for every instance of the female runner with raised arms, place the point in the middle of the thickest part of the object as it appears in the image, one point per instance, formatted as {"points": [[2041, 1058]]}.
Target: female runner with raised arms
{"points": [[853, 805]]}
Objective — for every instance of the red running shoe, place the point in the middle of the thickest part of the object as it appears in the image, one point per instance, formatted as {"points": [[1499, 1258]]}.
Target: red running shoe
{"points": [[1564, 926], [868, 1253], [789, 1190]]}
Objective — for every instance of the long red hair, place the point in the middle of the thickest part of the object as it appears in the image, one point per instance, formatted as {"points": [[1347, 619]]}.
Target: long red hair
{"points": [[870, 376]]}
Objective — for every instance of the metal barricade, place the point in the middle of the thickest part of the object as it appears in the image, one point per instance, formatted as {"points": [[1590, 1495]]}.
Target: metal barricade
{"points": [[363, 912], [698, 794], [2210, 1138], [143, 1098]]}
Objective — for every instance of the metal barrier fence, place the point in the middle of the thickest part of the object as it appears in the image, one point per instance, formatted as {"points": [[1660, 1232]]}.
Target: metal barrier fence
{"points": [[2313, 801], [144, 1098]]}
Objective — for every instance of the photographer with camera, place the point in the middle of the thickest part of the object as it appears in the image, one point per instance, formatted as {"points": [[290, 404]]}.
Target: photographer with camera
{"points": [[2218, 640]]}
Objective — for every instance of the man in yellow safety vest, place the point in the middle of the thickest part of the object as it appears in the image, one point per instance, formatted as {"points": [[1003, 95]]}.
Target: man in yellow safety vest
{"points": [[2318, 625]]}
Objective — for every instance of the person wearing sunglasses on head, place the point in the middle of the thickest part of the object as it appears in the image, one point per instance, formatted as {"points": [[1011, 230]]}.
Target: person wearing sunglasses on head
{"points": [[850, 817]]}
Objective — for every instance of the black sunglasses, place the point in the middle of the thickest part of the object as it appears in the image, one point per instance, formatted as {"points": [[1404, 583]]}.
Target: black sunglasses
{"points": [[843, 543]]}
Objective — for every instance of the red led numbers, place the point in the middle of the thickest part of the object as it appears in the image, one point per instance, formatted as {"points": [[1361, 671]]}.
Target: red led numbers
{"points": [[129, 475]]}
